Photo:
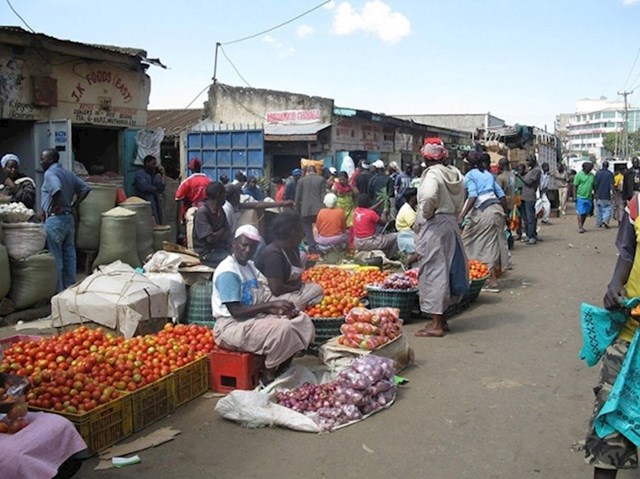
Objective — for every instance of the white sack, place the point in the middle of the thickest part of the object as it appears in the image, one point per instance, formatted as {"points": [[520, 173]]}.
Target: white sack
{"points": [[148, 142], [162, 270]]}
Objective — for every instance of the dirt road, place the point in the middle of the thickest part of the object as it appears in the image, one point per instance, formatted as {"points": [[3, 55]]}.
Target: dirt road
{"points": [[503, 396]]}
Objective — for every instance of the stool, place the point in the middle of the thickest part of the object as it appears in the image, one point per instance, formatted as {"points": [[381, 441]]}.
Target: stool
{"points": [[234, 370]]}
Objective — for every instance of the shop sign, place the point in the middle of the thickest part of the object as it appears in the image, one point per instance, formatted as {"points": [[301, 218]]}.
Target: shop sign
{"points": [[294, 116]]}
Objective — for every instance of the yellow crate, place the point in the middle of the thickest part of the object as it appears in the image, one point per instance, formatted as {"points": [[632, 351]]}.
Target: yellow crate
{"points": [[189, 381], [151, 403], [103, 426]]}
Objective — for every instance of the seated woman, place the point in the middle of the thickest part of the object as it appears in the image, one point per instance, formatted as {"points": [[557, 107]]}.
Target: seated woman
{"points": [[405, 220], [211, 231], [365, 220], [281, 264], [331, 223], [18, 186], [248, 317]]}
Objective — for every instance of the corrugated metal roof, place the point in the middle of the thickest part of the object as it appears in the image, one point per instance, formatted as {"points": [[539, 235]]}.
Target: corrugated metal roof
{"points": [[285, 130], [173, 122]]}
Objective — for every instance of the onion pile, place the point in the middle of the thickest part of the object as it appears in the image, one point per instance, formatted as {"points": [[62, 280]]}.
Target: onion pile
{"points": [[398, 281], [365, 387]]}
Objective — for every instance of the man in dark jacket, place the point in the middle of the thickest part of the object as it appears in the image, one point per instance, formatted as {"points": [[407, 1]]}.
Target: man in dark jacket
{"points": [[309, 195], [379, 182], [290, 186], [362, 180], [531, 183], [631, 183], [211, 230], [149, 185], [603, 188]]}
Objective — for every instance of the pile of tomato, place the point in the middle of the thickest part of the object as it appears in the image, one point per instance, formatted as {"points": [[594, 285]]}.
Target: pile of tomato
{"points": [[477, 269], [81, 369], [343, 289]]}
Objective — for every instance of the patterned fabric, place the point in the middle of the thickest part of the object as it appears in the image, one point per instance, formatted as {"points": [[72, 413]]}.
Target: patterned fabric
{"points": [[611, 450], [600, 327]]}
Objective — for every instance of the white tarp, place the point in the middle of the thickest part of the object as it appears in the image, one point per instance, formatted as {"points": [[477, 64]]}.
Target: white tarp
{"points": [[115, 296], [162, 269]]}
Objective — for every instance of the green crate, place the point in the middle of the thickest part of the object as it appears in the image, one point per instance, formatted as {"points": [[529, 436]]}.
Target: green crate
{"points": [[189, 382], [475, 285], [151, 403], [326, 328], [403, 299]]}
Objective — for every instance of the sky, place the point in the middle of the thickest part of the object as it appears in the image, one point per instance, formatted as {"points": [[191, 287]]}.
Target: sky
{"points": [[523, 61]]}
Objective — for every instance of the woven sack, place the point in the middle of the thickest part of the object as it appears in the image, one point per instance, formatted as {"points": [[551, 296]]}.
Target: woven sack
{"points": [[1, 234], [118, 238], [171, 207], [5, 273], [199, 303], [101, 198], [24, 239], [144, 225], [33, 279], [160, 234]]}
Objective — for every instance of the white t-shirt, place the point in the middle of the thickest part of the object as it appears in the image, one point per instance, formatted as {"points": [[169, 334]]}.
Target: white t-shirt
{"points": [[233, 283]]}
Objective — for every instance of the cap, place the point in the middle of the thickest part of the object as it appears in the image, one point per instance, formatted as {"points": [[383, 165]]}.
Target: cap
{"points": [[296, 172], [378, 164], [332, 170], [393, 165], [365, 165], [195, 164], [248, 231]]}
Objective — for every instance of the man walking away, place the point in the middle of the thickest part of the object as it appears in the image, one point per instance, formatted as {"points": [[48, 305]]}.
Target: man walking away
{"points": [[544, 203], [402, 183], [531, 182], [379, 182], [363, 178], [603, 187], [309, 195], [59, 189], [562, 178], [584, 182]]}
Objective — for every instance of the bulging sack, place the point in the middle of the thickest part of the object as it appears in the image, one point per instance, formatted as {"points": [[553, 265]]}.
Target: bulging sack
{"points": [[161, 234], [24, 239], [101, 199], [118, 238], [144, 225], [5, 273], [33, 279]]}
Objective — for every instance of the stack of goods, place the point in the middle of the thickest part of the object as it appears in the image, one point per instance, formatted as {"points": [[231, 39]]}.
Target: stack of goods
{"points": [[364, 388], [478, 275], [398, 290], [101, 199], [82, 369], [118, 238], [144, 225], [406, 280], [12, 392], [32, 273], [370, 328]]}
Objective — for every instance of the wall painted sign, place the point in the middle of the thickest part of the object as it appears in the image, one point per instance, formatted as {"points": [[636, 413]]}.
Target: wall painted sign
{"points": [[294, 116]]}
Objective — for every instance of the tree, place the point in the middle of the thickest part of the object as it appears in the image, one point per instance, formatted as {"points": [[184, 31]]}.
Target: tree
{"points": [[609, 142]]}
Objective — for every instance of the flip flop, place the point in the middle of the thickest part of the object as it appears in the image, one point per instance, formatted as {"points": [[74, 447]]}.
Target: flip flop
{"points": [[428, 333]]}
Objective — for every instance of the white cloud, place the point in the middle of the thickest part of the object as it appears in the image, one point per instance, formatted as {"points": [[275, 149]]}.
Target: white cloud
{"points": [[630, 2], [304, 31], [281, 49], [375, 17]]}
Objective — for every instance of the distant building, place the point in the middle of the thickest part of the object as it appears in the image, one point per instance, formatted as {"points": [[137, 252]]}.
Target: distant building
{"points": [[593, 119], [473, 123]]}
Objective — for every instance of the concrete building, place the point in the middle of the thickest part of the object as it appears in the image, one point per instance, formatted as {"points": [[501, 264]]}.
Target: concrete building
{"points": [[267, 132], [86, 101], [473, 123], [593, 119]]}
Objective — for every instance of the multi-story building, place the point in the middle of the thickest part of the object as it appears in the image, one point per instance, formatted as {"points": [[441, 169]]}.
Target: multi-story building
{"points": [[593, 119]]}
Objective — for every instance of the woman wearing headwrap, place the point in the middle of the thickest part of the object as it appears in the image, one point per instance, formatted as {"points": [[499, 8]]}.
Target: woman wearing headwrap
{"points": [[443, 275], [18, 186], [346, 195], [331, 223], [484, 216]]}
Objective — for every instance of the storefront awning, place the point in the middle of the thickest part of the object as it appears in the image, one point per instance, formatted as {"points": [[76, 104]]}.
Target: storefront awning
{"points": [[281, 132]]}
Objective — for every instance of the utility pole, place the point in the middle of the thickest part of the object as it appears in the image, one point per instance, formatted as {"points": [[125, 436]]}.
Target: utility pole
{"points": [[625, 131]]}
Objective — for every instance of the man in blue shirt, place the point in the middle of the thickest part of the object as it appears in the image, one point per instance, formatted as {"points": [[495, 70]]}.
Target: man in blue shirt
{"points": [[59, 189], [149, 184], [603, 187]]}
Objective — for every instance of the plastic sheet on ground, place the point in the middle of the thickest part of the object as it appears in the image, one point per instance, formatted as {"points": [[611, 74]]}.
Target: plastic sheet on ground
{"points": [[115, 296], [258, 408]]}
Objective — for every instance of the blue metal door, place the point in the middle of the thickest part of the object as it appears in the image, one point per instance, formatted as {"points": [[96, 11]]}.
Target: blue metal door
{"points": [[227, 152]]}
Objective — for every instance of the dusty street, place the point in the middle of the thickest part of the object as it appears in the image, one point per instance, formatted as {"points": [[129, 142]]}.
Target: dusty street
{"points": [[503, 396]]}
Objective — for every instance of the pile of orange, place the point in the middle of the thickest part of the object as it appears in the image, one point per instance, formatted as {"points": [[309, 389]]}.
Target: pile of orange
{"points": [[477, 269], [333, 306]]}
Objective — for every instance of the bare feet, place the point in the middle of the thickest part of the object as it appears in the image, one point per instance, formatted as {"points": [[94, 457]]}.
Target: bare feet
{"points": [[430, 332]]}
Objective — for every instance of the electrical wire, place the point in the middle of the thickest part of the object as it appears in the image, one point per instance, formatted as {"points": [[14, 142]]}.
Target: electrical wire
{"points": [[234, 67], [197, 96], [633, 66], [20, 17], [249, 37]]}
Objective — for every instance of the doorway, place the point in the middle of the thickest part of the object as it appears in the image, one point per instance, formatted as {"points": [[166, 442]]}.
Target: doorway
{"points": [[97, 148]]}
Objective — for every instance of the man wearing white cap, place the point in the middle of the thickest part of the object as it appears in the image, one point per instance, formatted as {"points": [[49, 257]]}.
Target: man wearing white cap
{"points": [[379, 182], [248, 318]]}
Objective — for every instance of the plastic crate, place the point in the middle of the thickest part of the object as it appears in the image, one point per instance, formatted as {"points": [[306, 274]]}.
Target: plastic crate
{"points": [[326, 328], [475, 285], [6, 343], [151, 403], [189, 382], [234, 370], [403, 299], [103, 426]]}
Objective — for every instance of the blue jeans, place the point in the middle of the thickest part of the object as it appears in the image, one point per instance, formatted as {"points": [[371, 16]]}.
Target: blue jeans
{"points": [[603, 212], [531, 222], [61, 232]]}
